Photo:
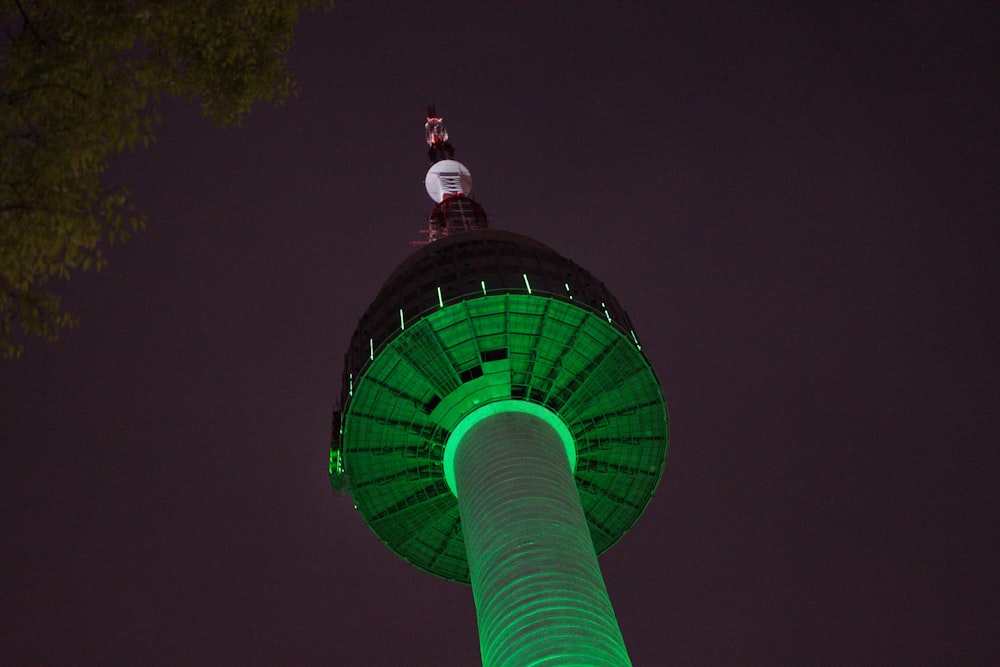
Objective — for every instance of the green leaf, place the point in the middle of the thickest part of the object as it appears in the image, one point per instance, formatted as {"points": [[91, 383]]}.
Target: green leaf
{"points": [[79, 82]]}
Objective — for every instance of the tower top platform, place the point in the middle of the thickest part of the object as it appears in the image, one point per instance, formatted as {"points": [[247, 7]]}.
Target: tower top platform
{"points": [[480, 317]]}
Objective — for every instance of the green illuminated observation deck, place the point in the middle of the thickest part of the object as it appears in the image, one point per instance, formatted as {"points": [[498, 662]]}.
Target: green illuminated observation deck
{"points": [[481, 317]]}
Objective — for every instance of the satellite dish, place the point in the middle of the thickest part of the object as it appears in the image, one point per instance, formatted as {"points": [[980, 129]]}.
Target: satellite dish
{"points": [[446, 179]]}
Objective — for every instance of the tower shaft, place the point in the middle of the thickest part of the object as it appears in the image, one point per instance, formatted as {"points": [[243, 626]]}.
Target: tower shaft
{"points": [[539, 594]]}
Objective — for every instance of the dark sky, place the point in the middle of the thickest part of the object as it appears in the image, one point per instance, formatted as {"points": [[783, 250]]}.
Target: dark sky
{"points": [[798, 208]]}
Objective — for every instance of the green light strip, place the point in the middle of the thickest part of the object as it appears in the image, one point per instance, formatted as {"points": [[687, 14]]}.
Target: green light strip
{"points": [[495, 408]]}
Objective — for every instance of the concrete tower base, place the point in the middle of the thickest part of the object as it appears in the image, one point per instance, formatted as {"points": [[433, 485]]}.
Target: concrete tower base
{"points": [[540, 598]]}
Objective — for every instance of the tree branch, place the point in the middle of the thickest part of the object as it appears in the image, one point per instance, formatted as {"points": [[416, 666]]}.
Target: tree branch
{"points": [[27, 22]]}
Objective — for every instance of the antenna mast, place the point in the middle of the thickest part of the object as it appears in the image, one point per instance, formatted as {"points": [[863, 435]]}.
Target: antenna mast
{"points": [[448, 183]]}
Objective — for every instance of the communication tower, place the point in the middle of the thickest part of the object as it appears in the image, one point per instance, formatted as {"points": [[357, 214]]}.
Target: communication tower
{"points": [[499, 425]]}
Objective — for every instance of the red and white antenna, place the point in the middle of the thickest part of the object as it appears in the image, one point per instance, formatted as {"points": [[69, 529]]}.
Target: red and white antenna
{"points": [[448, 183], [437, 136]]}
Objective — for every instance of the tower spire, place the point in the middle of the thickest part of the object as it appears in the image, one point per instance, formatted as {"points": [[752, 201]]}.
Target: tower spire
{"points": [[437, 137], [448, 183]]}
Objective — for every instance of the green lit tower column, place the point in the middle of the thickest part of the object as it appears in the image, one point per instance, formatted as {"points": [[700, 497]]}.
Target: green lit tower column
{"points": [[499, 425]]}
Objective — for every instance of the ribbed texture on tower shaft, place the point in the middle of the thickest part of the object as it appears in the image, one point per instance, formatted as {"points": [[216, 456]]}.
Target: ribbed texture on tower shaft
{"points": [[540, 598]]}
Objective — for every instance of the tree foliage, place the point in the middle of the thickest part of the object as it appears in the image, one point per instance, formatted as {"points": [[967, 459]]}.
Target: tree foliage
{"points": [[78, 83]]}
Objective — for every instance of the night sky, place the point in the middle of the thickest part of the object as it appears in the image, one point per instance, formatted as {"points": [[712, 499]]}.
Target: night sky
{"points": [[798, 208]]}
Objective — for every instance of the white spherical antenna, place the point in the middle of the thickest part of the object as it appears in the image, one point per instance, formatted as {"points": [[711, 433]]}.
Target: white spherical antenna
{"points": [[447, 177]]}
